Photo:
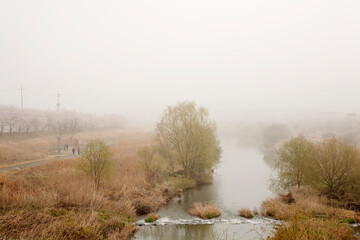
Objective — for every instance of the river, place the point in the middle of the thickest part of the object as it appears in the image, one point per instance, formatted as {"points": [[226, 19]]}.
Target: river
{"points": [[240, 180]]}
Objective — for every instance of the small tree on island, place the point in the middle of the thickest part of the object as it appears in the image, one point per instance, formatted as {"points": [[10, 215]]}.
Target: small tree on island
{"points": [[96, 161], [187, 139]]}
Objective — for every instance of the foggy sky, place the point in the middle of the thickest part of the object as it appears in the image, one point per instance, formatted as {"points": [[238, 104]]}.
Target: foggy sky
{"points": [[136, 57]]}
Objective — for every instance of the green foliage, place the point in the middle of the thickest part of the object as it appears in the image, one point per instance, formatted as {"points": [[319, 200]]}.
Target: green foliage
{"points": [[331, 167], [184, 183], [96, 161], [187, 138], [209, 216], [335, 170], [293, 163], [348, 220], [149, 220]]}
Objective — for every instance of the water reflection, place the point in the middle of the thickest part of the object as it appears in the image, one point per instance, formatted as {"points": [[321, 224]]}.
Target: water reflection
{"points": [[200, 232], [241, 180]]}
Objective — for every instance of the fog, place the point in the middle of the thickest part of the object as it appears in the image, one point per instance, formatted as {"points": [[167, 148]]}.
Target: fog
{"points": [[241, 59]]}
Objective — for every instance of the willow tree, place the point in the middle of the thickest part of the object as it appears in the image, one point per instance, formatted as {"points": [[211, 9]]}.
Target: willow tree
{"points": [[187, 139]]}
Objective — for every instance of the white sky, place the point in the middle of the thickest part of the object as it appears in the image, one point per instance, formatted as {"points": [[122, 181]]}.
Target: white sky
{"points": [[136, 57]]}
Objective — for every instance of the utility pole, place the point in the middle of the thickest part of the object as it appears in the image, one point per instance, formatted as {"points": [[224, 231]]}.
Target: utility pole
{"points": [[58, 95], [22, 96]]}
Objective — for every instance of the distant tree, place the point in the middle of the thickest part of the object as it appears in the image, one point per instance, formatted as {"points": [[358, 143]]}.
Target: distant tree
{"points": [[96, 161], [336, 163], [187, 138], [13, 117], [72, 124], [275, 133], [3, 118], [57, 125], [293, 163]]}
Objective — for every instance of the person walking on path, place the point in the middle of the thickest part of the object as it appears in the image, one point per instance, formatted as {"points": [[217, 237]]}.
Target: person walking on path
{"points": [[73, 150], [78, 150]]}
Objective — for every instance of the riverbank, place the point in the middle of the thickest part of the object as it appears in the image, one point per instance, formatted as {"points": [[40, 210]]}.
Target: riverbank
{"points": [[56, 201], [309, 216]]}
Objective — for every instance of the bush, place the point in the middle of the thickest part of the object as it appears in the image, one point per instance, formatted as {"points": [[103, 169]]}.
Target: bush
{"points": [[207, 211], [96, 161], [149, 220], [246, 213], [184, 183], [152, 218]]}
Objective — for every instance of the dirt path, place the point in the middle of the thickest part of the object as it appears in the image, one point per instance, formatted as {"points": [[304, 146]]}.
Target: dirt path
{"points": [[62, 155]]}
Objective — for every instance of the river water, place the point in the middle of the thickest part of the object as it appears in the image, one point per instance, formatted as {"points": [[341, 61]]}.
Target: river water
{"points": [[240, 180]]}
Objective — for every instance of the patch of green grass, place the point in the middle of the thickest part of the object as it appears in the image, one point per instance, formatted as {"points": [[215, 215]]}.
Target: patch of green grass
{"points": [[348, 220], [209, 216], [58, 212], [149, 220]]}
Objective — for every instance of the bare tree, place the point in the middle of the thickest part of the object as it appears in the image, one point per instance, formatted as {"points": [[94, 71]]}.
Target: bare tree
{"points": [[335, 164]]}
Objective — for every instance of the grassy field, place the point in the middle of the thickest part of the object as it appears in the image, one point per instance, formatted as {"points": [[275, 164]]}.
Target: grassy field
{"points": [[19, 148], [56, 201]]}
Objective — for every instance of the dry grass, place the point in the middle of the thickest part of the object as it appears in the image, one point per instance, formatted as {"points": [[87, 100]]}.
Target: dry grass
{"points": [[300, 227], [255, 211], [55, 201], [310, 218], [154, 216], [206, 211], [246, 213], [20, 148], [310, 204]]}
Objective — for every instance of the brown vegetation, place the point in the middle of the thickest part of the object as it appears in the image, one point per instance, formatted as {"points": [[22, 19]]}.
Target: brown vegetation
{"points": [[246, 213], [206, 211], [310, 204], [56, 201], [298, 228], [25, 149], [311, 217], [21, 149]]}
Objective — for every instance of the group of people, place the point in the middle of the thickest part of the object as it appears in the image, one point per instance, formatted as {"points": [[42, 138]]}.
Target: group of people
{"points": [[78, 150]]}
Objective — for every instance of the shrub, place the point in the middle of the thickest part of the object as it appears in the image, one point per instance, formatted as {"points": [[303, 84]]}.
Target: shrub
{"points": [[206, 211], [153, 216], [184, 183], [96, 161], [246, 213], [255, 211]]}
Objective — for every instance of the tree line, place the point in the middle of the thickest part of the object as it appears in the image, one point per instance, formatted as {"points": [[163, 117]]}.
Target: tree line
{"points": [[331, 167], [58, 123]]}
